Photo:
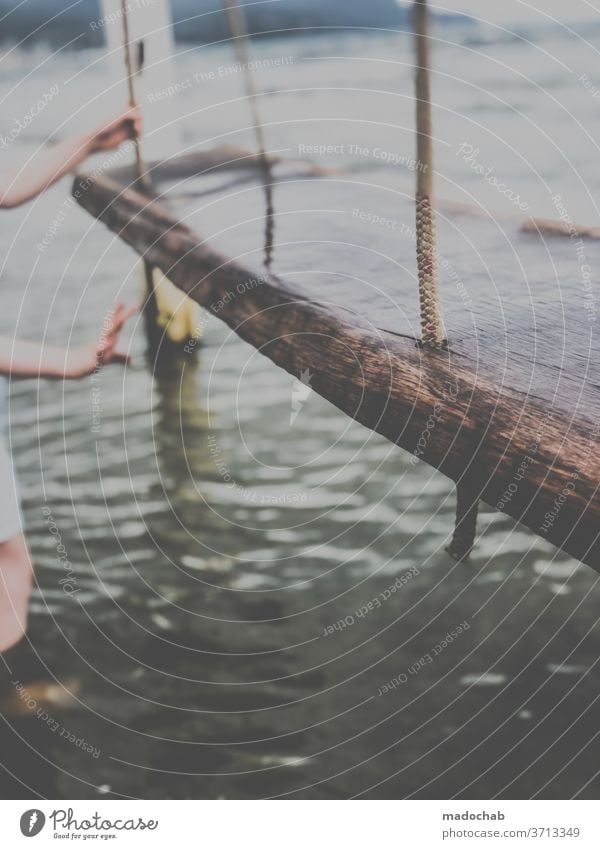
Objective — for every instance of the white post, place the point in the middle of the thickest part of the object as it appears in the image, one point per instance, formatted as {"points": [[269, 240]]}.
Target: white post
{"points": [[150, 21], [171, 317]]}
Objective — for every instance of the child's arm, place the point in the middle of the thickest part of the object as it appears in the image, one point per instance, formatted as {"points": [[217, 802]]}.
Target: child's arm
{"points": [[20, 358], [50, 164]]}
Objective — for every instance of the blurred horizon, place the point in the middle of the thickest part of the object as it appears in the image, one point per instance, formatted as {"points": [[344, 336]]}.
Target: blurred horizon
{"points": [[196, 20], [202, 21]]}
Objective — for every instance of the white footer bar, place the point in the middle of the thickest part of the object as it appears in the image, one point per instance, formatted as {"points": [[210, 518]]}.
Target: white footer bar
{"points": [[301, 824]]}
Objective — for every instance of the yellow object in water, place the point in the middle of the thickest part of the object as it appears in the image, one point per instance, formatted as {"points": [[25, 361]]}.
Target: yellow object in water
{"points": [[177, 314]]}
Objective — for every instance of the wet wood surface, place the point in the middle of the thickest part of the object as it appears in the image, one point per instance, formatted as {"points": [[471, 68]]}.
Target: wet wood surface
{"points": [[512, 407]]}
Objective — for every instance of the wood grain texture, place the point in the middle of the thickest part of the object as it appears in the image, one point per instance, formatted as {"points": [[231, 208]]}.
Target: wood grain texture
{"points": [[499, 423]]}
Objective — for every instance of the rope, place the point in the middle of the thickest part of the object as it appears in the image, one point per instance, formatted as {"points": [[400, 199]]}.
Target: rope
{"points": [[239, 34], [431, 322], [432, 333], [151, 306], [141, 172]]}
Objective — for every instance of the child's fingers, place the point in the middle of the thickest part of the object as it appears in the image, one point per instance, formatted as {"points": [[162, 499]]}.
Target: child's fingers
{"points": [[130, 311], [112, 317], [121, 314], [130, 114], [116, 318]]}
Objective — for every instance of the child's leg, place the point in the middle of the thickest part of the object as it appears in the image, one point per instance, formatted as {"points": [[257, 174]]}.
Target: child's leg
{"points": [[15, 563], [16, 577]]}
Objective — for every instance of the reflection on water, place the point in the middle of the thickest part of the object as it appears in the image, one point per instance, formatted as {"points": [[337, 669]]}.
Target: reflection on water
{"points": [[198, 664], [263, 604]]}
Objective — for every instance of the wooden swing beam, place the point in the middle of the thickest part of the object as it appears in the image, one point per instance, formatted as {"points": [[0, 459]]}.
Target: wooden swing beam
{"points": [[542, 467]]}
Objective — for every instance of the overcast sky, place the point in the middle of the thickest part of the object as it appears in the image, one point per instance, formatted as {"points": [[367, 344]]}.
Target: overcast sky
{"points": [[512, 11]]}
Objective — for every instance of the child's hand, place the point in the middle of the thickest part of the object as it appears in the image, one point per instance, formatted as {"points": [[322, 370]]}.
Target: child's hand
{"points": [[114, 321], [85, 360], [126, 125]]}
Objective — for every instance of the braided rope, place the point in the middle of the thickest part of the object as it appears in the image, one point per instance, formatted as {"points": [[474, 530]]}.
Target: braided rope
{"points": [[427, 266], [431, 319]]}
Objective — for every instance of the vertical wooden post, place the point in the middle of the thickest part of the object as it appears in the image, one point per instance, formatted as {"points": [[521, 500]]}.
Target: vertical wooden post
{"points": [[467, 508]]}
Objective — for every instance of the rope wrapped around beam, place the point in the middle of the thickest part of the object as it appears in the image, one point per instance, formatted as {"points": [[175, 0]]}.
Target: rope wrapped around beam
{"points": [[432, 331]]}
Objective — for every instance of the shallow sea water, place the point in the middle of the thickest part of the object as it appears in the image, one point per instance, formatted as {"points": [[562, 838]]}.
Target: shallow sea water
{"points": [[215, 542]]}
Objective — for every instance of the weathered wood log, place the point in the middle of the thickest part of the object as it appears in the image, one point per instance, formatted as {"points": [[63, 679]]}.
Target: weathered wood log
{"points": [[222, 158], [530, 226], [553, 227], [472, 421], [239, 159]]}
